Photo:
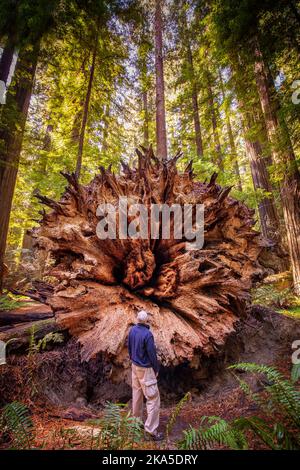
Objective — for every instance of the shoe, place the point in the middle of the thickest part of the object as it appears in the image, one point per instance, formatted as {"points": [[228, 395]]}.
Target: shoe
{"points": [[158, 436]]}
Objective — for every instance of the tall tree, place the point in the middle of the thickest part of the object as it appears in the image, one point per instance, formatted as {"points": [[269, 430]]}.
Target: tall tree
{"points": [[161, 133], [86, 105], [13, 120], [186, 38], [283, 156], [214, 119], [143, 54], [254, 27], [233, 150]]}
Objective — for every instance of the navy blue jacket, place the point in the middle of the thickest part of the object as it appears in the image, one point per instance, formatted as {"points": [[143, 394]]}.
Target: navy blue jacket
{"points": [[141, 347]]}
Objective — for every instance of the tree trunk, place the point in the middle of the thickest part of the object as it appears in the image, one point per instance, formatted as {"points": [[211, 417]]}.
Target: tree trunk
{"points": [[283, 156], [19, 336], [197, 126], [161, 133], [195, 298], [214, 122], [12, 318], [194, 88], [146, 118], [6, 61], [234, 157], [13, 120], [86, 108], [267, 211], [269, 220], [105, 130], [46, 148]]}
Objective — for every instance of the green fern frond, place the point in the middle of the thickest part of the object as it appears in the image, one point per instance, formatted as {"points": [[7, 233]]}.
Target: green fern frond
{"points": [[16, 418], [213, 430], [282, 392], [175, 413], [295, 373], [119, 430], [275, 436]]}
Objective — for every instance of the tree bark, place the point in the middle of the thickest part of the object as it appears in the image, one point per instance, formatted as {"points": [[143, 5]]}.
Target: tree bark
{"points": [[86, 108], [234, 157], [105, 129], [13, 120], [19, 335], [197, 126], [10, 318], [161, 133], [214, 122], [6, 61], [146, 118], [194, 87], [283, 156]]}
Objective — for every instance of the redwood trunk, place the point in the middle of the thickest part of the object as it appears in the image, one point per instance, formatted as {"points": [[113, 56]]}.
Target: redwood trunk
{"points": [[146, 118], [283, 156], [6, 61], [214, 123], [86, 110], [13, 122], [161, 133], [234, 157], [197, 126]]}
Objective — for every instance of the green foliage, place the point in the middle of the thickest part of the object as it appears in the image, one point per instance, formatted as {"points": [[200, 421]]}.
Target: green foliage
{"points": [[295, 373], [175, 413], [282, 396], [36, 346], [279, 429], [10, 302], [213, 430], [119, 429], [16, 420], [269, 295]]}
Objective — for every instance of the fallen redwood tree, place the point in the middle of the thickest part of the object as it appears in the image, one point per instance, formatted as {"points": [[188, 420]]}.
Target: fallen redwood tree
{"points": [[195, 298]]}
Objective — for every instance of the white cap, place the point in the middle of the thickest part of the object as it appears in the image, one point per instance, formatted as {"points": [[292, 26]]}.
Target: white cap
{"points": [[142, 316]]}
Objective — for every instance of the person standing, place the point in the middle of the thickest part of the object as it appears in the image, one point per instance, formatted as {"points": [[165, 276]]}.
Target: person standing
{"points": [[145, 367]]}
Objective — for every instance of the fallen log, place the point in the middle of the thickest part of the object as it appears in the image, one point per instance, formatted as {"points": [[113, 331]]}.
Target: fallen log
{"points": [[195, 298], [10, 318], [19, 336]]}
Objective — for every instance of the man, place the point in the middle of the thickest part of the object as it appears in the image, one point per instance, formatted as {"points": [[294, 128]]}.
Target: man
{"points": [[145, 367]]}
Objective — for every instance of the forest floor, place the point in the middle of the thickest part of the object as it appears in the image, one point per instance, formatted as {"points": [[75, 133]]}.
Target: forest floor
{"points": [[55, 432], [75, 428]]}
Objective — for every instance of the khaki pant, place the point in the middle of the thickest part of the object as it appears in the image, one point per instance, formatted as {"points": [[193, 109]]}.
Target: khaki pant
{"points": [[144, 384]]}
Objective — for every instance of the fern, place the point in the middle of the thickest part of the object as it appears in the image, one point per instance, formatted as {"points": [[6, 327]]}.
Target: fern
{"points": [[36, 346], [213, 430], [175, 413], [119, 430], [281, 399], [295, 373], [281, 391], [275, 435], [18, 423]]}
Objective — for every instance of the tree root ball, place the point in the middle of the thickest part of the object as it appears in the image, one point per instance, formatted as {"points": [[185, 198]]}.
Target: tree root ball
{"points": [[194, 297]]}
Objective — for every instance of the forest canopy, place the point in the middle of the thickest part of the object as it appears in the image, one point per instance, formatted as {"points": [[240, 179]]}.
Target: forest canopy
{"points": [[88, 81]]}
